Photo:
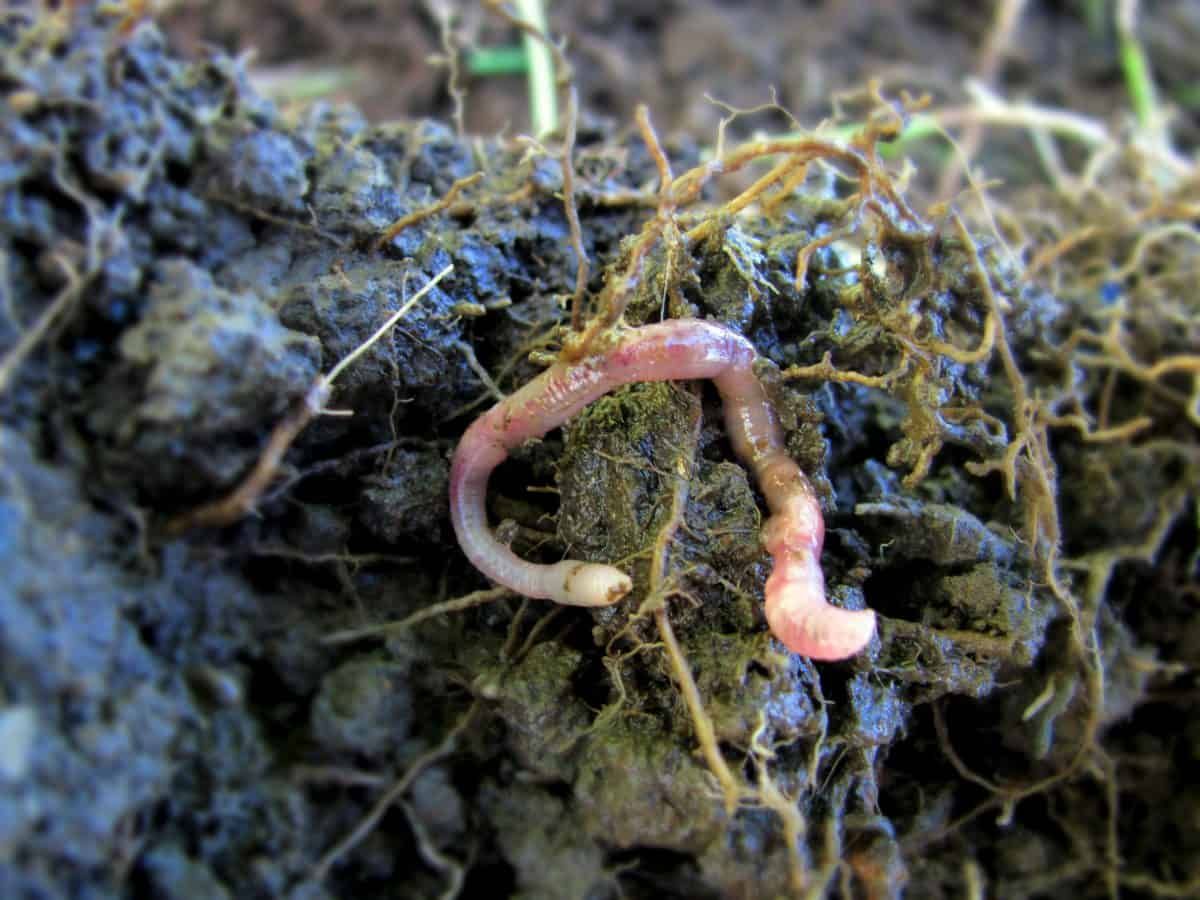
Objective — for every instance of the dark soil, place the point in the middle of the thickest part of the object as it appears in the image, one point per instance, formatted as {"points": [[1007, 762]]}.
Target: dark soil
{"points": [[183, 714]]}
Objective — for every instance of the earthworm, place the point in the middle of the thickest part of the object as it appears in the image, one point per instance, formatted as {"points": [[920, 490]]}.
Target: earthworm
{"points": [[677, 350]]}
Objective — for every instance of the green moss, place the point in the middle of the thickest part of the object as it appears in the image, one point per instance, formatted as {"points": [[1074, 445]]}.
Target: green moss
{"points": [[609, 481], [752, 692], [638, 786], [536, 700]]}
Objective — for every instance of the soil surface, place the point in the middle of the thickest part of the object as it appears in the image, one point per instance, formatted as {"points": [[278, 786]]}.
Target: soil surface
{"points": [[997, 399]]}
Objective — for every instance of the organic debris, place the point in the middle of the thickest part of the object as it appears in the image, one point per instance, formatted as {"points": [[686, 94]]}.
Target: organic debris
{"points": [[313, 694]]}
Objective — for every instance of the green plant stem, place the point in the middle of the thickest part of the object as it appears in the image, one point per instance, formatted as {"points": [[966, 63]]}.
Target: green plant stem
{"points": [[543, 98]]}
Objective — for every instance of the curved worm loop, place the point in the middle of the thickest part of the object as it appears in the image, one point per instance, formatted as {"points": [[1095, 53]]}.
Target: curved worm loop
{"points": [[677, 350]]}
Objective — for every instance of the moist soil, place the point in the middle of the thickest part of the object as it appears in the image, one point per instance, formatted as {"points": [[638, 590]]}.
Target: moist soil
{"points": [[200, 709]]}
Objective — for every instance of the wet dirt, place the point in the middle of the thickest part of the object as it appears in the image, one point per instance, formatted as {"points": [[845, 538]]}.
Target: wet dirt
{"points": [[175, 719]]}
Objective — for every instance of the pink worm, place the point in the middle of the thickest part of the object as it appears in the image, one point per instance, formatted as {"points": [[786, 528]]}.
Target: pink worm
{"points": [[676, 350]]}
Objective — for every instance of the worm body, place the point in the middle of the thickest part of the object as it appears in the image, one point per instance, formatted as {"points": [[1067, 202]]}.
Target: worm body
{"points": [[676, 350]]}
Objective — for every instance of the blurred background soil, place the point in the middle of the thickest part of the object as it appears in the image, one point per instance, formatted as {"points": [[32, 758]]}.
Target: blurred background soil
{"points": [[193, 194], [676, 56], [670, 55]]}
